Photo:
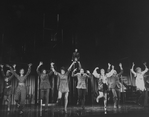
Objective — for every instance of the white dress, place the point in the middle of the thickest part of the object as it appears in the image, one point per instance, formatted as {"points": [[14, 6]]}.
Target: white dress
{"points": [[140, 79]]}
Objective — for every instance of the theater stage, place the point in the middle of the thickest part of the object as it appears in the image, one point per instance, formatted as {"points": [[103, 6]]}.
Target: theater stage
{"points": [[129, 110]]}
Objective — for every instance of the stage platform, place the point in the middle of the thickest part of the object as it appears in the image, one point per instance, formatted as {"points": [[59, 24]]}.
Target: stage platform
{"points": [[129, 110]]}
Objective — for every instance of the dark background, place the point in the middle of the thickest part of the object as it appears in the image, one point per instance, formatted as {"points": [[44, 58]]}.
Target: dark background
{"points": [[103, 30]]}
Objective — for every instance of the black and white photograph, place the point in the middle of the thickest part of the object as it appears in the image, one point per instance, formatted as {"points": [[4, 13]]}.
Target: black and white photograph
{"points": [[74, 58]]}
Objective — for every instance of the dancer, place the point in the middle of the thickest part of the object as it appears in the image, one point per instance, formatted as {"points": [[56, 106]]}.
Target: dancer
{"points": [[21, 89], [7, 86], [75, 58], [139, 74], [62, 84], [81, 85], [44, 85], [115, 86], [103, 83]]}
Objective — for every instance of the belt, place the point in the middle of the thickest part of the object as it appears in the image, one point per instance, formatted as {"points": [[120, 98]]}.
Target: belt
{"points": [[21, 84]]}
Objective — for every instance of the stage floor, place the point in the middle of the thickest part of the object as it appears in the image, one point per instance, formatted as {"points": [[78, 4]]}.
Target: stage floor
{"points": [[129, 110]]}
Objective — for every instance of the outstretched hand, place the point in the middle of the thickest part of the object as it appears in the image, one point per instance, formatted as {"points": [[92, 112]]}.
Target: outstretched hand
{"points": [[30, 64], [52, 64], [112, 66], [1, 66], [144, 63], [41, 63]]}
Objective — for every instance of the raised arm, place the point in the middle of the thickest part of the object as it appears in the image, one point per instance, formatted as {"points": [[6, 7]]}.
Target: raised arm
{"points": [[132, 69], [10, 77], [79, 65], [73, 73], [52, 68], [13, 71], [95, 74], [71, 66], [121, 68], [29, 69], [2, 70], [37, 70], [109, 66], [146, 69], [110, 73]]}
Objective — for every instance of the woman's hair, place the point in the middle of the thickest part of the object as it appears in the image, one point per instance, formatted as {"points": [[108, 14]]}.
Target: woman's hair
{"points": [[63, 68], [138, 68]]}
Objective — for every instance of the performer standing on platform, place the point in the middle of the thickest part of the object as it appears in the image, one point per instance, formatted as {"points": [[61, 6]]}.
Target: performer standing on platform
{"points": [[62, 84], [75, 58], [7, 86], [81, 85], [21, 89], [115, 86], [139, 74], [44, 85], [103, 83]]}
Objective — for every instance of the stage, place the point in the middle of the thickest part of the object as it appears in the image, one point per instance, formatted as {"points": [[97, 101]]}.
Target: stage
{"points": [[129, 110]]}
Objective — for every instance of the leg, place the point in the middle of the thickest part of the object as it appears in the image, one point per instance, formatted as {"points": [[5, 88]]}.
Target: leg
{"points": [[59, 97], [99, 96], [9, 101], [105, 100], [118, 98], [83, 97], [114, 97], [47, 98], [23, 98], [79, 96], [66, 101], [17, 96]]}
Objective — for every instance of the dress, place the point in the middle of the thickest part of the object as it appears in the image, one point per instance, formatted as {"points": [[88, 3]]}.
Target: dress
{"points": [[63, 85]]}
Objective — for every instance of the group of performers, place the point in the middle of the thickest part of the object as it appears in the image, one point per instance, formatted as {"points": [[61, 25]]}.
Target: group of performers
{"points": [[109, 81]]}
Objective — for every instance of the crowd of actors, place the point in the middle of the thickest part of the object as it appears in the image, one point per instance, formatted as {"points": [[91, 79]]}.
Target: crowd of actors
{"points": [[107, 81]]}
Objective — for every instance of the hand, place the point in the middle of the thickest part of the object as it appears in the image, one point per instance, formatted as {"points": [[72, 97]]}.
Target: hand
{"points": [[87, 71], [2, 66], [120, 64], [109, 64], [52, 64], [97, 68], [75, 70], [133, 64], [41, 63], [112, 66], [14, 66], [144, 63], [30, 64]]}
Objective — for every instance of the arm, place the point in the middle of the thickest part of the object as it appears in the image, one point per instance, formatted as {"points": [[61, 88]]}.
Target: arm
{"points": [[132, 69], [29, 70], [13, 71], [121, 68], [2, 70], [73, 73], [79, 65], [146, 69], [95, 74], [109, 74], [37, 70], [109, 66], [52, 68], [70, 66]]}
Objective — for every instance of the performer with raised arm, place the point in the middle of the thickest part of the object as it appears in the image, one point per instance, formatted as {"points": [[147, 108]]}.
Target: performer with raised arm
{"points": [[115, 86], [7, 86], [62, 84], [139, 74], [21, 89], [44, 85], [81, 85], [103, 83], [75, 58]]}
